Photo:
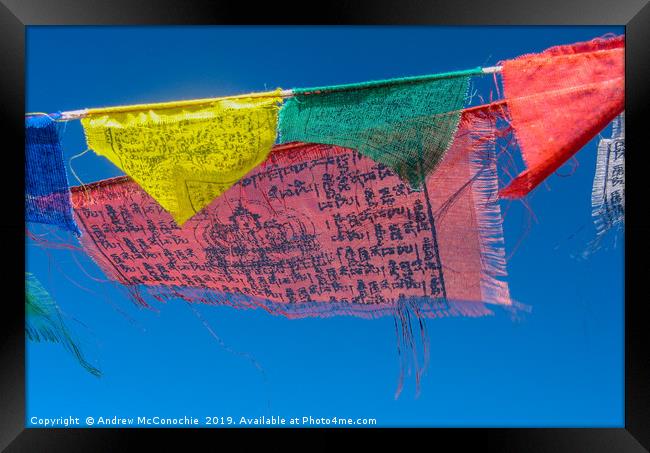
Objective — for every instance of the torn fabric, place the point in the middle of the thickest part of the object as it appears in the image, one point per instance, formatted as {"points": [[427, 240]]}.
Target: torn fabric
{"points": [[44, 322], [184, 157], [559, 100], [608, 194]]}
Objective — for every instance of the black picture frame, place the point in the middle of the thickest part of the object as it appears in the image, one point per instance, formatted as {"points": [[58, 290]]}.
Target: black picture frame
{"points": [[15, 15]]}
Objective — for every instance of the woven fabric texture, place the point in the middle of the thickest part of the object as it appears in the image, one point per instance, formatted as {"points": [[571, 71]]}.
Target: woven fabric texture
{"points": [[184, 157], [317, 230], [559, 100], [405, 124], [47, 194]]}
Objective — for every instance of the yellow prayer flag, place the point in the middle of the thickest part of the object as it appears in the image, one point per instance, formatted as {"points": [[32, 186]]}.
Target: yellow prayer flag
{"points": [[186, 156]]}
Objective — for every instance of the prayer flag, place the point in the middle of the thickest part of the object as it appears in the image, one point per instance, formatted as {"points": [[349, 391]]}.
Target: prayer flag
{"points": [[317, 230], [608, 195], [406, 124], [47, 194], [185, 156], [44, 322], [559, 100]]}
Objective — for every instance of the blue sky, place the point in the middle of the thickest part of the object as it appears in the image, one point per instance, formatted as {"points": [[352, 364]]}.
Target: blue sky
{"points": [[560, 365]]}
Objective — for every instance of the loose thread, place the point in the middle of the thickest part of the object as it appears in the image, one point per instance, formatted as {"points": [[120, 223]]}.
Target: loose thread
{"points": [[74, 173]]}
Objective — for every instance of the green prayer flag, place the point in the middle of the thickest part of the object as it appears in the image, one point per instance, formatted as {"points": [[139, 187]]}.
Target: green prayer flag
{"points": [[44, 322], [406, 124]]}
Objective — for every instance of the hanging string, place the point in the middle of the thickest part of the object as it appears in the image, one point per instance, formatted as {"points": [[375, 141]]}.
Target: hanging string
{"points": [[82, 113]]}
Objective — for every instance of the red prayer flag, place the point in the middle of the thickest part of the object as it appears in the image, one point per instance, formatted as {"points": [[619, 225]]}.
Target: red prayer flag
{"points": [[559, 100]]}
